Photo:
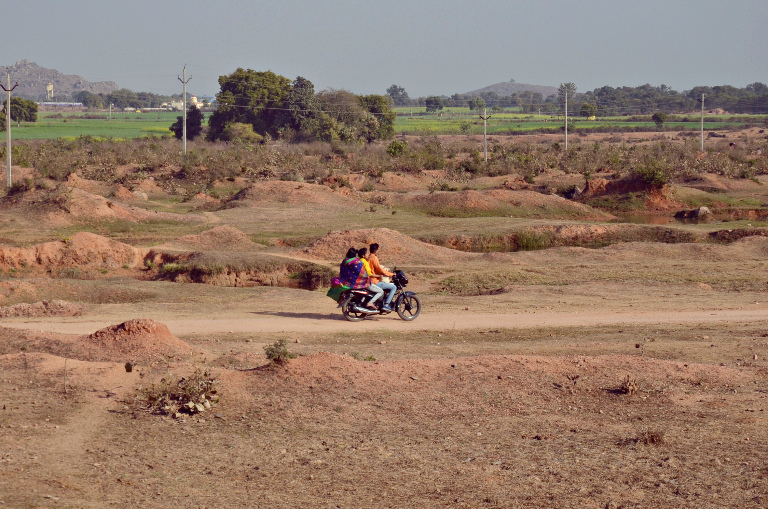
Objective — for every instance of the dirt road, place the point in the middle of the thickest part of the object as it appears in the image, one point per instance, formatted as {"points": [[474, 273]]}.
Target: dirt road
{"points": [[271, 321]]}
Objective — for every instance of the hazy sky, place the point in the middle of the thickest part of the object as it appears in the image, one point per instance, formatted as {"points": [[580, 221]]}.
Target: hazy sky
{"points": [[429, 47]]}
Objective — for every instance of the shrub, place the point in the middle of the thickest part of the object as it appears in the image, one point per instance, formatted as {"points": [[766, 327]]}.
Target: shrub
{"points": [[278, 352], [241, 133], [397, 148], [653, 172]]}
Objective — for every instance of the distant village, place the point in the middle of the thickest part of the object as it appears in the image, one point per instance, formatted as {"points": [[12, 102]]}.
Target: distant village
{"points": [[206, 104]]}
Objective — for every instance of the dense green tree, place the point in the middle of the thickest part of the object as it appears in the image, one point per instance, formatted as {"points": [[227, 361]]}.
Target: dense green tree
{"points": [[249, 97], [302, 112], [588, 110], [124, 98], [194, 124], [380, 108], [398, 95], [89, 100], [476, 103], [659, 117], [344, 108], [434, 103], [22, 110]]}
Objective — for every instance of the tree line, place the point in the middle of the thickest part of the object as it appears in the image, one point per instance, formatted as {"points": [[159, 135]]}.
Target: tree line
{"points": [[123, 98], [604, 101]]}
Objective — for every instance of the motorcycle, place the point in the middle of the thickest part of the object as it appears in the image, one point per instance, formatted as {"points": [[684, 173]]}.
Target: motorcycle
{"points": [[406, 304]]}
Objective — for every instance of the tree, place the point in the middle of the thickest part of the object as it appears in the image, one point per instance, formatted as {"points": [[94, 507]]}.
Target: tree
{"points": [[398, 95], [434, 103], [302, 109], [659, 117], [22, 110], [381, 111], [89, 100], [194, 124], [476, 103], [249, 97], [124, 98], [588, 110], [565, 88]]}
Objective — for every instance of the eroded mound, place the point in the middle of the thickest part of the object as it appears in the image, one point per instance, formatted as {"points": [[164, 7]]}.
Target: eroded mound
{"points": [[502, 202], [395, 248], [86, 250], [68, 204], [220, 238], [137, 339], [44, 308], [286, 193]]}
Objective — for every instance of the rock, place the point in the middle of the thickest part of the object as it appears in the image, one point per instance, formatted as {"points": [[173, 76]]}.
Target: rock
{"points": [[693, 214], [199, 407]]}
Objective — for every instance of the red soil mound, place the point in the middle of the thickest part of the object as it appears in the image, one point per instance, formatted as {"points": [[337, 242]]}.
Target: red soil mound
{"points": [[86, 250], [395, 248], [503, 201], [285, 193], [68, 203], [220, 238], [44, 308], [138, 339]]}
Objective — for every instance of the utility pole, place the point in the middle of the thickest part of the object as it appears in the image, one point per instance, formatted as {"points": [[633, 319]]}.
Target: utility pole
{"points": [[702, 122], [8, 130], [566, 120], [184, 99], [485, 131]]}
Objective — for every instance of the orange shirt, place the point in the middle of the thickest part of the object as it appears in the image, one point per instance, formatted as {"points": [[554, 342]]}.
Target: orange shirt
{"points": [[376, 269]]}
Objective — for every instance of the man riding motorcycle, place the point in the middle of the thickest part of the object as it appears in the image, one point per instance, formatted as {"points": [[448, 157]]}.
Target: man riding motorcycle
{"points": [[377, 272]]}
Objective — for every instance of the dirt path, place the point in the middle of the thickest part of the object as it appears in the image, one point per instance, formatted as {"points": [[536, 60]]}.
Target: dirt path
{"points": [[270, 321]]}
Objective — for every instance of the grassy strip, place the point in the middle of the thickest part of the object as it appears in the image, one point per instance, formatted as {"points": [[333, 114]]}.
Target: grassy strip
{"points": [[267, 270]]}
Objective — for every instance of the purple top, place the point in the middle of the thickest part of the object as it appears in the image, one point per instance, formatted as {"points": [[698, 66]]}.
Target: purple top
{"points": [[352, 273]]}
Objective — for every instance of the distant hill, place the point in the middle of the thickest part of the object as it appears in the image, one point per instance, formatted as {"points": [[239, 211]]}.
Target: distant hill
{"points": [[507, 88], [32, 80]]}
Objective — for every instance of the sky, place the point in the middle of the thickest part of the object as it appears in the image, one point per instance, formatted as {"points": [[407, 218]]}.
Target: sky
{"points": [[428, 47]]}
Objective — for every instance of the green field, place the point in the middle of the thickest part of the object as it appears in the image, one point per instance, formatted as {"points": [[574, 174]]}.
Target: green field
{"points": [[463, 121], [119, 126], [409, 121]]}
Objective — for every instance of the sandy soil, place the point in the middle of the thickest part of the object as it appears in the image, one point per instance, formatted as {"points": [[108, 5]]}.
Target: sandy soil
{"points": [[634, 375]]}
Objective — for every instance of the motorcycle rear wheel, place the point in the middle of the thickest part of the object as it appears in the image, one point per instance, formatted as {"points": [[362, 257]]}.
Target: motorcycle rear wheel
{"points": [[351, 314], [408, 306]]}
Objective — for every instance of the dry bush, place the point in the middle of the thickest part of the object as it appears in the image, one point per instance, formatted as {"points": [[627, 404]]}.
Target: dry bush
{"points": [[193, 394], [629, 385]]}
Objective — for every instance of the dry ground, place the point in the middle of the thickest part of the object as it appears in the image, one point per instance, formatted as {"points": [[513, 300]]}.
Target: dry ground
{"points": [[635, 375]]}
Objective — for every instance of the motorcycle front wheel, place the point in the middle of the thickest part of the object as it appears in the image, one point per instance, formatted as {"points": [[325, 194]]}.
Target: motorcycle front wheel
{"points": [[408, 306], [347, 309]]}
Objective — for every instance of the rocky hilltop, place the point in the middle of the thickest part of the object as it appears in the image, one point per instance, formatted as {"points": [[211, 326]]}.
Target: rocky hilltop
{"points": [[507, 88], [32, 80]]}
